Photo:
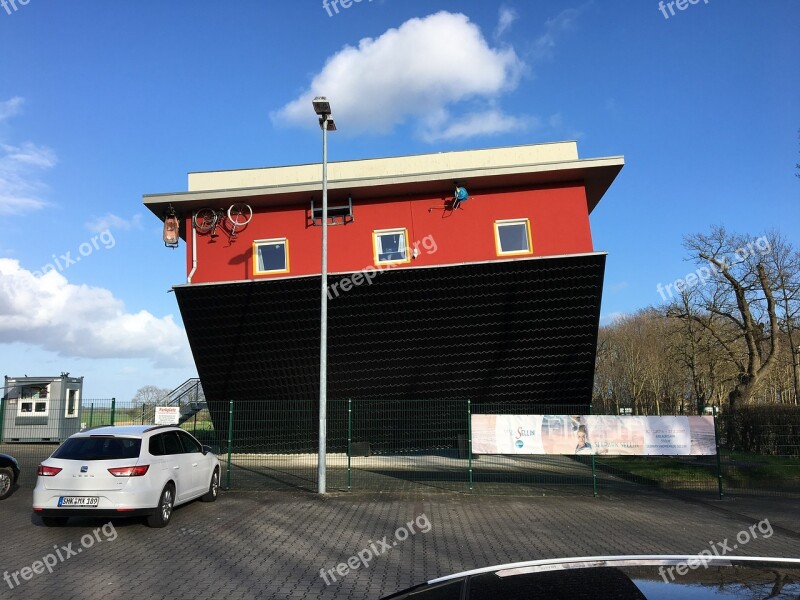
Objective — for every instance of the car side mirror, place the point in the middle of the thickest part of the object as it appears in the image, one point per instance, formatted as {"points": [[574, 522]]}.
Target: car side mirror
{"points": [[206, 450]]}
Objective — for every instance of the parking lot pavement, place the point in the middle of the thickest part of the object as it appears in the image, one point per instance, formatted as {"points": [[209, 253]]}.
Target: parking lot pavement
{"points": [[259, 545]]}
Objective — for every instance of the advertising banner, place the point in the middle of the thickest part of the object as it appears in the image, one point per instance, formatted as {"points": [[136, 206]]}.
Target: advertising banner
{"points": [[593, 434]]}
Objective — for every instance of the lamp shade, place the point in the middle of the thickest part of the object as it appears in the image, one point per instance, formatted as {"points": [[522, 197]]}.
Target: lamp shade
{"points": [[171, 235]]}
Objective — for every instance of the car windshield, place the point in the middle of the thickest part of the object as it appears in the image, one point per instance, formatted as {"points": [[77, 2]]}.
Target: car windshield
{"points": [[98, 448]]}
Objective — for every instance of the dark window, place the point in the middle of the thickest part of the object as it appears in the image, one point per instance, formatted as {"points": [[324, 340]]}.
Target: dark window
{"points": [[172, 445], [189, 443], [99, 448], [72, 403], [513, 236], [272, 256], [390, 246], [157, 445]]}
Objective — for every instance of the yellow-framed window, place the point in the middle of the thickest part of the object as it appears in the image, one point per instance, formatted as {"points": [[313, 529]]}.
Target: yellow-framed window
{"points": [[390, 246], [512, 237], [271, 257]]}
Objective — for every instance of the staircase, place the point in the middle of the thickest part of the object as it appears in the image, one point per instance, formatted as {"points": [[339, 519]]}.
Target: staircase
{"points": [[189, 396]]}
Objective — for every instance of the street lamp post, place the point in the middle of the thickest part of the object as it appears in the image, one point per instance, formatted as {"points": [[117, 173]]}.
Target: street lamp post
{"points": [[323, 109]]}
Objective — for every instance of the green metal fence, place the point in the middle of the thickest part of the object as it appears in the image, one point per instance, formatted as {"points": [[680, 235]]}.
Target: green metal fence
{"points": [[31, 436], [409, 445]]}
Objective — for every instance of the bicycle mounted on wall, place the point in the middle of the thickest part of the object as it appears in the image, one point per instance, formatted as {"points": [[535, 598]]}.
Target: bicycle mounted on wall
{"points": [[206, 220]]}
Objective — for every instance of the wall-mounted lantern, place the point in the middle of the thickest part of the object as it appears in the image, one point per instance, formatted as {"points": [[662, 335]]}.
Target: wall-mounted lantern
{"points": [[171, 226]]}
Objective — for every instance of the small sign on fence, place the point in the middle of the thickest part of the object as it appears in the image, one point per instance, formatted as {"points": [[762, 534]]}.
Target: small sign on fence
{"points": [[167, 415]]}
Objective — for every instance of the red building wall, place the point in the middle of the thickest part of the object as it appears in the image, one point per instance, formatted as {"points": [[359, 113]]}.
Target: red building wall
{"points": [[559, 223]]}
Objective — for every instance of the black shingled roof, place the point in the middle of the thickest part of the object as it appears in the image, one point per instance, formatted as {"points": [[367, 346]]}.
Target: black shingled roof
{"points": [[523, 330]]}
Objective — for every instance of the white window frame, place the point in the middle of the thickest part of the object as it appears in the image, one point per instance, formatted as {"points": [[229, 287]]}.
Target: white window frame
{"points": [[33, 402], [258, 243], [76, 408], [508, 222], [377, 246]]}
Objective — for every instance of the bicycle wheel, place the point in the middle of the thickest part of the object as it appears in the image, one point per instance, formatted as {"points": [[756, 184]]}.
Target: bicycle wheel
{"points": [[204, 220], [239, 214]]}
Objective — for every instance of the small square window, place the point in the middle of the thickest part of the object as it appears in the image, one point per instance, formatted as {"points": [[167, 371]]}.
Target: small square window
{"points": [[391, 246], [512, 236], [271, 256]]}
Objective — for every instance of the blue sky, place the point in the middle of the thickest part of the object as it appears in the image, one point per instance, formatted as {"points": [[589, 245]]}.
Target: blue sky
{"points": [[103, 102]]}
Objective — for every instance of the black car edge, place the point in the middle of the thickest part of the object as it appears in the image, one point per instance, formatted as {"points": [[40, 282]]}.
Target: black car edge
{"points": [[9, 475], [652, 577]]}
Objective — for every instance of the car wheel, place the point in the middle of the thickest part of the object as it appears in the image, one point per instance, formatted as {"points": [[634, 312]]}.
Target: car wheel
{"points": [[213, 488], [54, 521], [163, 511], [6, 482]]}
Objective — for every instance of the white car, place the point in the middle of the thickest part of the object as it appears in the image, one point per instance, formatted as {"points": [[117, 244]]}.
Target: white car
{"points": [[132, 470]]}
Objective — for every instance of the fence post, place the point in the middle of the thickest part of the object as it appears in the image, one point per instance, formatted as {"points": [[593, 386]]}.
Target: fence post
{"points": [[143, 407], [91, 415], [594, 469], [2, 417], [719, 461], [113, 410], [349, 438], [469, 441], [230, 446]]}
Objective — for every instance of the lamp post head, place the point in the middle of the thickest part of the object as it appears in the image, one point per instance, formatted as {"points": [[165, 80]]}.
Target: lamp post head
{"points": [[331, 124], [321, 106]]}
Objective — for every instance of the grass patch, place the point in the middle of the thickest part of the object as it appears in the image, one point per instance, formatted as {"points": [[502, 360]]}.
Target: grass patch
{"points": [[661, 469], [739, 469]]}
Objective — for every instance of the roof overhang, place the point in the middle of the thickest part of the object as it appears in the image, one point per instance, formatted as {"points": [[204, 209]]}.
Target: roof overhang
{"points": [[516, 167]]}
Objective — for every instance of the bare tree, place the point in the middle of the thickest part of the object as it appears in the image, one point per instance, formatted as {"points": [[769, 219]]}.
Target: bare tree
{"points": [[604, 396], [633, 369], [784, 262], [739, 288], [707, 367], [151, 395]]}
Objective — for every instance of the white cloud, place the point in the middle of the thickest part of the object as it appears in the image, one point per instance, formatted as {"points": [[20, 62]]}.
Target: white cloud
{"points": [[10, 108], [489, 122], [111, 221], [20, 187], [82, 321], [612, 318], [554, 28], [618, 287], [506, 18], [412, 73]]}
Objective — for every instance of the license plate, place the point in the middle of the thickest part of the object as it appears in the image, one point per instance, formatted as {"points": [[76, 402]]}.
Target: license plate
{"points": [[79, 501]]}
